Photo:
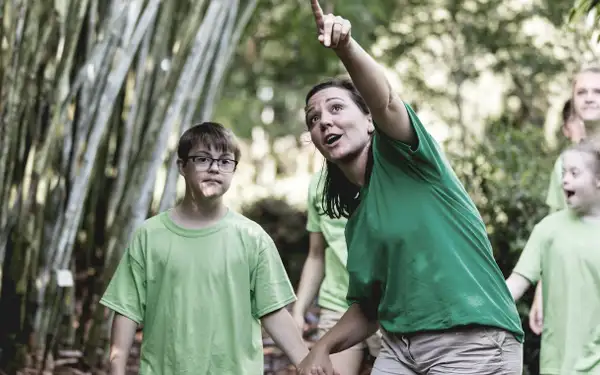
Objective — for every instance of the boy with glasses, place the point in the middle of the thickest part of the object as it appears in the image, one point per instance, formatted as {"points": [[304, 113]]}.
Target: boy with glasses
{"points": [[201, 278]]}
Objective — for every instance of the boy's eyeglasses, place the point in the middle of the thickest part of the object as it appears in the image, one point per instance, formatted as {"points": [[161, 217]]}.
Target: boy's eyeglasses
{"points": [[204, 163]]}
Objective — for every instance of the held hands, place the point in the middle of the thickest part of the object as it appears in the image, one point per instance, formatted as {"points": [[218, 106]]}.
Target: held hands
{"points": [[317, 362], [334, 31]]}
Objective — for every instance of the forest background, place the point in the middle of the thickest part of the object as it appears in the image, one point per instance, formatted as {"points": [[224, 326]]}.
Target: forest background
{"points": [[94, 94]]}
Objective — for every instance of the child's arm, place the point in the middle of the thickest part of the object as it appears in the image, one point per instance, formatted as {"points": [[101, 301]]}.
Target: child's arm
{"points": [[528, 269], [517, 285], [126, 296], [121, 339], [281, 327], [536, 314], [313, 273]]}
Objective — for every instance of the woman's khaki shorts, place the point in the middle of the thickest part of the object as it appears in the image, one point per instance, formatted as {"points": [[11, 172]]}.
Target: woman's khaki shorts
{"points": [[463, 351]]}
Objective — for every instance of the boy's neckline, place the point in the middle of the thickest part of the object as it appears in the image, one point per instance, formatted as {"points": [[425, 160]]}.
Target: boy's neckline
{"points": [[167, 220]]}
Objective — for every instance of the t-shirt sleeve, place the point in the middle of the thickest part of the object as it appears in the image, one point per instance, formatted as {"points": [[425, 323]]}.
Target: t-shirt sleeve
{"points": [[126, 292], [271, 287], [313, 223], [530, 262], [555, 198], [425, 160], [366, 293]]}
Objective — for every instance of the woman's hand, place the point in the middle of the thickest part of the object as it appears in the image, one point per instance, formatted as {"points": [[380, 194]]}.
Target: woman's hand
{"points": [[334, 31]]}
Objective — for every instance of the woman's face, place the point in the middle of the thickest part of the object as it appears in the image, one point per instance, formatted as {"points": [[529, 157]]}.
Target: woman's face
{"points": [[338, 127], [586, 96]]}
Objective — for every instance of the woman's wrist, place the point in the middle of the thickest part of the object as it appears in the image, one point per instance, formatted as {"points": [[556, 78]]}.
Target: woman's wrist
{"points": [[347, 49], [324, 345]]}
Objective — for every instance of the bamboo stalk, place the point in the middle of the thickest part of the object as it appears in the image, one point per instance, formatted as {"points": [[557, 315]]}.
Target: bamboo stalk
{"points": [[91, 92], [227, 47]]}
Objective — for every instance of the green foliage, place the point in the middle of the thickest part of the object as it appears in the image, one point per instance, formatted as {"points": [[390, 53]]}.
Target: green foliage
{"points": [[469, 40], [281, 52], [507, 175], [521, 43]]}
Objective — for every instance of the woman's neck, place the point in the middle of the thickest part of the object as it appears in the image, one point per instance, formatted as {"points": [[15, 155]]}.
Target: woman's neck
{"points": [[355, 168]]}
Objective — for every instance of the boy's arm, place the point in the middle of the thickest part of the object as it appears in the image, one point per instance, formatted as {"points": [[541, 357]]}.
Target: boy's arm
{"points": [[281, 327], [121, 339], [126, 296], [517, 285]]}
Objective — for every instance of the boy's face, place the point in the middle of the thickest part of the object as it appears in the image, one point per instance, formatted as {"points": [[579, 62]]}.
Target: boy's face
{"points": [[208, 172]]}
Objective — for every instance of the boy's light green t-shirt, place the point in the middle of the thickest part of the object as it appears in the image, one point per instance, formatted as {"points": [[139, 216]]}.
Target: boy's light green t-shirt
{"points": [[564, 252], [332, 294], [555, 199], [200, 294]]}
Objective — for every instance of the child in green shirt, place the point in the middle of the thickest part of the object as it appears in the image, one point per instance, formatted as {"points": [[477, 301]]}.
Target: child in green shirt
{"points": [[325, 273], [563, 252], [201, 278]]}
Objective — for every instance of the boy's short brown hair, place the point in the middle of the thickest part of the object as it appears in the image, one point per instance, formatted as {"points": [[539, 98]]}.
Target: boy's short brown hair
{"points": [[209, 134]]}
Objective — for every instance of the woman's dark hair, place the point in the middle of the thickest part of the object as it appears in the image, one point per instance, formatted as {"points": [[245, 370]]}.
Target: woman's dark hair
{"points": [[567, 111], [340, 196]]}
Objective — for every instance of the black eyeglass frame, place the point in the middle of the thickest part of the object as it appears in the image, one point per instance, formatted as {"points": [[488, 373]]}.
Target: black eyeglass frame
{"points": [[212, 161]]}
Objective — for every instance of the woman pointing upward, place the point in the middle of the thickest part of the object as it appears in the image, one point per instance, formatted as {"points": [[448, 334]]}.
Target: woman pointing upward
{"points": [[419, 260]]}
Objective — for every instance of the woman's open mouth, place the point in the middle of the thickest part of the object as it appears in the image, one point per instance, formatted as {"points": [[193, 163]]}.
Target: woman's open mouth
{"points": [[331, 139]]}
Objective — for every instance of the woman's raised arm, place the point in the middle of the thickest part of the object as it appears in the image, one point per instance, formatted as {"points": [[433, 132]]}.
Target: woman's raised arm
{"points": [[387, 109]]}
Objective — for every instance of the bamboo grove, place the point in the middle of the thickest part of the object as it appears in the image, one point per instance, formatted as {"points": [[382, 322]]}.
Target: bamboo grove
{"points": [[91, 93]]}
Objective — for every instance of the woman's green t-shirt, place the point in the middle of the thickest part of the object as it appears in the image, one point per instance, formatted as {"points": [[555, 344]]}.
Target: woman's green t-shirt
{"points": [[419, 258]]}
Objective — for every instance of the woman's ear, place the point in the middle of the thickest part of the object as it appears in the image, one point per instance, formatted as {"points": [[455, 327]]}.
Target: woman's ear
{"points": [[371, 127]]}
